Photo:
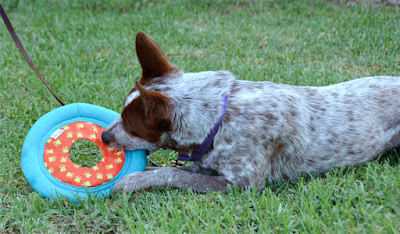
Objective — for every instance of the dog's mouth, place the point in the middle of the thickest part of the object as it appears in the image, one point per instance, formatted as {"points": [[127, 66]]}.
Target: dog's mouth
{"points": [[117, 147]]}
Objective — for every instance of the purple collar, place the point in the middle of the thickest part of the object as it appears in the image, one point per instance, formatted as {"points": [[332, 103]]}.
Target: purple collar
{"points": [[202, 149]]}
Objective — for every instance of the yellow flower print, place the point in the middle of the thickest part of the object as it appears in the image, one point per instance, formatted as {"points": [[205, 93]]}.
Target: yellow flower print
{"points": [[52, 159], [57, 143], [78, 179], [87, 174], [63, 168], [99, 176], [110, 149], [110, 176], [65, 149]]}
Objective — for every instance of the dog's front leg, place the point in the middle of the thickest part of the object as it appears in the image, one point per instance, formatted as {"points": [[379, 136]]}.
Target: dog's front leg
{"points": [[171, 177]]}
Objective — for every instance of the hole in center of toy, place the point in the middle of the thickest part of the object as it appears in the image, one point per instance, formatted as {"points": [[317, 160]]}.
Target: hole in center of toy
{"points": [[85, 153]]}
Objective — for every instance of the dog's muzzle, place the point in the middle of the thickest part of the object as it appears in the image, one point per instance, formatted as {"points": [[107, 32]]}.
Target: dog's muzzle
{"points": [[106, 137]]}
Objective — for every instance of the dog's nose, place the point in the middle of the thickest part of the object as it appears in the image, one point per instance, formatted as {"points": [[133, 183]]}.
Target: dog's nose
{"points": [[105, 137]]}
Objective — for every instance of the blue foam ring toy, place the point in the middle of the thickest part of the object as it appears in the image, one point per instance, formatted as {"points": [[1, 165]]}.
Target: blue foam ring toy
{"points": [[32, 161]]}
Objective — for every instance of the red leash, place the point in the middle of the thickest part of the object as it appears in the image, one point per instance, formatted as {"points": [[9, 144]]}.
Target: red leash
{"points": [[22, 49]]}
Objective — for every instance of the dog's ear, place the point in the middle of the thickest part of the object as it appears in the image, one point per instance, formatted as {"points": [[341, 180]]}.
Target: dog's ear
{"points": [[152, 59], [156, 109]]}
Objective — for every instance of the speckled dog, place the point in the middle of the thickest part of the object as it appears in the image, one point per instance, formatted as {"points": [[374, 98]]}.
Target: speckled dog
{"points": [[267, 131]]}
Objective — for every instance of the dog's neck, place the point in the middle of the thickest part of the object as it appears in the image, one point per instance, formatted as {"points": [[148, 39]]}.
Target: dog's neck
{"points": [[206, 144], [197, 106]]}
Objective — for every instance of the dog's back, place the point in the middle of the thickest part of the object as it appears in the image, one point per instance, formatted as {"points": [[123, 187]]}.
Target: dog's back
{"points": [[312, 129]]}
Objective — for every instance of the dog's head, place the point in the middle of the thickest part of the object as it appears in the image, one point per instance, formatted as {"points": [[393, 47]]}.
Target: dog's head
{"points": [[147, 114], [167, 108]]}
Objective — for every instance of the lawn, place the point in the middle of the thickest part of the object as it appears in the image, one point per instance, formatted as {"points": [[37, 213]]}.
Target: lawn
{"points": [[85, 50]]}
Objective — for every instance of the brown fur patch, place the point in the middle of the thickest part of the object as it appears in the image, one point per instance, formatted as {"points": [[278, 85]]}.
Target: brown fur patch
{"points": [[152, 59], [148, 116]]}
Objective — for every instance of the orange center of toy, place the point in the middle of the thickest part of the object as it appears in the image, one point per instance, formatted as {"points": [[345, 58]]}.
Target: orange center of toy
{"points": [[58, 163]]}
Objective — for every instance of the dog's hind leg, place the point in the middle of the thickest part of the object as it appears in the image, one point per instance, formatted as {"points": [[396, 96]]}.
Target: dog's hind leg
{"points": [[393, 139]]}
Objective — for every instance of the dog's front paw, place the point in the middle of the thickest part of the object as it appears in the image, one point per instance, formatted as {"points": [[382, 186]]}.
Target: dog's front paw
{"points": [[134, 182]]}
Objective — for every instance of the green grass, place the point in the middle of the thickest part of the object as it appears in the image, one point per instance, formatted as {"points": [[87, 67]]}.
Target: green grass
{"points": [[85, 50], [85, 153]]}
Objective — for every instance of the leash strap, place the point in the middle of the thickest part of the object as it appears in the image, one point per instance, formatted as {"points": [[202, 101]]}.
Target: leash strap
{"points": [[22, 49]]}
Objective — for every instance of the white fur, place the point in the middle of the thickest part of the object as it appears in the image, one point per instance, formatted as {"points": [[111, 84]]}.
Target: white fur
{"points": [[132, 96]]}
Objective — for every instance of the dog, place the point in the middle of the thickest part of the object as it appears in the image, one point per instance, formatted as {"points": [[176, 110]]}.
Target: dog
{"points": [[247, 133]]}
